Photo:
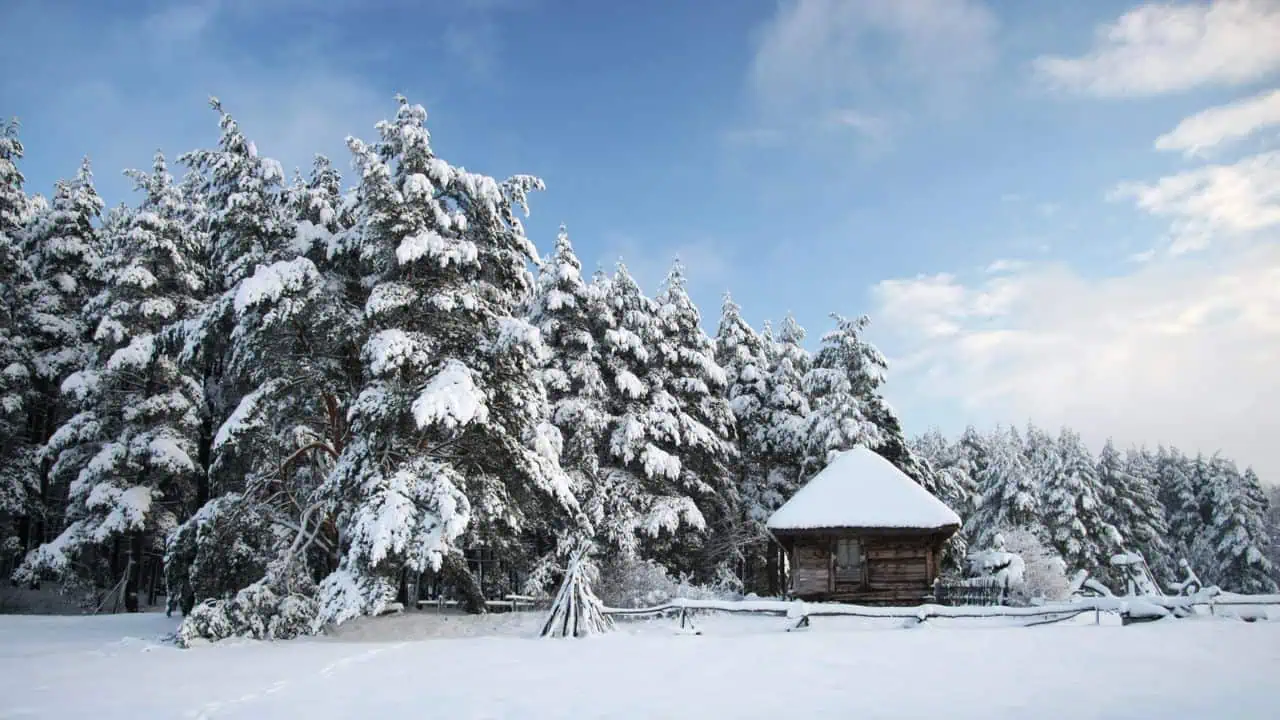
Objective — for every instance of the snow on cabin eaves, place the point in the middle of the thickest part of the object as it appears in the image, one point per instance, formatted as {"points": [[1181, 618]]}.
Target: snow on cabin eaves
{"points": [[861, 489]]}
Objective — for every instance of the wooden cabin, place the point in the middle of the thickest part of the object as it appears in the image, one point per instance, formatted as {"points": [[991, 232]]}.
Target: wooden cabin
{"points": [[862, 531]]}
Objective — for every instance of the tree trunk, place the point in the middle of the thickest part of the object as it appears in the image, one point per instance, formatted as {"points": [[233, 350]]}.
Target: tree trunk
{"points": [[457, 574], [771, 568], [412, 592], [133, 568]]}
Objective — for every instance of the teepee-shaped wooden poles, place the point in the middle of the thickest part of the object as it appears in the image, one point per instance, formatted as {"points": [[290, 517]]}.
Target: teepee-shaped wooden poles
{"points": [[576, 611]]}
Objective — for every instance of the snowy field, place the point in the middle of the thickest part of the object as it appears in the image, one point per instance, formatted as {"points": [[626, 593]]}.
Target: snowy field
{"points": [[450, 666]]}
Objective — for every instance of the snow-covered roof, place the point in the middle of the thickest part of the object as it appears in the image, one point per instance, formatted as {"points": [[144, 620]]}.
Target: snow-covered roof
{"points": [[860, 489]]}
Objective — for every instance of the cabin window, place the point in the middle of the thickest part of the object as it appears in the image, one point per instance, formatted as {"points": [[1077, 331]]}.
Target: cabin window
{"points": [[848, 560]]}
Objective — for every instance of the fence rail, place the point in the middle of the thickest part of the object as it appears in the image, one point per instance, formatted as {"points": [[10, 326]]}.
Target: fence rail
{"points": [[1129, 608], [511, 603], [974, 591]]}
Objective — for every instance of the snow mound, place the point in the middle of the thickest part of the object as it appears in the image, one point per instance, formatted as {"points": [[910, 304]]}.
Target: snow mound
{"points": [[860, 489]]}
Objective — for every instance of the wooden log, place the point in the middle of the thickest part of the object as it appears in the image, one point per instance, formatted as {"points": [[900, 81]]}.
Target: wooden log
{"points": [[896, 553]]}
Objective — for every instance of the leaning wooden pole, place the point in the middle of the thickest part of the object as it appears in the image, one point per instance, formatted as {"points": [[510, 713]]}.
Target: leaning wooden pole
{"points": [[576, 611]]}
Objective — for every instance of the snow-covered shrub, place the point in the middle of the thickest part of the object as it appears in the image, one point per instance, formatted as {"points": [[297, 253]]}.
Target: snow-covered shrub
{"points": [[280, 606], [1024, 565], [726, 582], [221, 550], [1044, 572], [257, 611], [644, 583]]}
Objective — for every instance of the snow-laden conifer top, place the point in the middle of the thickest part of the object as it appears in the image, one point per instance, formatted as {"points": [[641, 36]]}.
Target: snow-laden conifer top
{"points": [[861, 489]]}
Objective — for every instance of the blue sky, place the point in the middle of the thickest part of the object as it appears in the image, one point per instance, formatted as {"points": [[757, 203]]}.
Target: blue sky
{"points": [[1000, 185]]}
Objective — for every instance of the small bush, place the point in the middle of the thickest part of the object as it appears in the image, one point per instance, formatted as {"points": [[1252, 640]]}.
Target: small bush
{"points": [[644, 583]]}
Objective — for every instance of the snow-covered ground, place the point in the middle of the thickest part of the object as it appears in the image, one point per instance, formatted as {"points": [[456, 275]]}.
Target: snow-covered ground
{"points": [[449, 666]]}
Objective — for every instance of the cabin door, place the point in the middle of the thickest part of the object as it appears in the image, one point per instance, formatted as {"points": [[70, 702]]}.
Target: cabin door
{"points": [[848, 564]]}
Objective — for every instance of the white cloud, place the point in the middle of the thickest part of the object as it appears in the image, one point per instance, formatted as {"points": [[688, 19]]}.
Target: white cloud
{"points": [[1219, 125], [293, 99], [1170, 47], [179, 23], [1004, 265], [1176, 352], [144, 77], [866, 124], [1213, 200], [474, 43], [816, 59], [875, 131]]}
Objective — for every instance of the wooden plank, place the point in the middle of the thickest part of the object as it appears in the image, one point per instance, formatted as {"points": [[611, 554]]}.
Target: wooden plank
{"points": [[917, 566], [920, 564], [883, 552], [876, 572]]}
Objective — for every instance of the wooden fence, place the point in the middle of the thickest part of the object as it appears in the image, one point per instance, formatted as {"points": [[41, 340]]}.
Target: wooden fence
{"points": [[509, 603], [983, 591], [1130, 609]]}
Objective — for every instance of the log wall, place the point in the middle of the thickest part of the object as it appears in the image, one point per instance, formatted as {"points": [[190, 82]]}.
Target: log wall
{"points": [[811, 569], [895, 569]]}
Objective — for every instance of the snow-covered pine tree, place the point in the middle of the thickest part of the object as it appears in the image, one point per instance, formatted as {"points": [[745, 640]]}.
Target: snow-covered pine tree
{"points": [[233, 204], [323, 215], [571, 317], [1177, 492], [844, 376], [450, 444], [642, 477], [744, 355], [244, 222], [63, 251], [244, 192], [18, 476], [1133, 507], [953, 486], [956, 487], [696, 382], [1072, 509], [128, 455], [297, 330], [1273, 530], [13, 200], [17, 456], [787, 409], [1008, 494], [1235, 536]]}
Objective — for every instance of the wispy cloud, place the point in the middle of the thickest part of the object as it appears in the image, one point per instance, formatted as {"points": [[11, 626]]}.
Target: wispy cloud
{"points": [[1213, 201], [1220, 125], [144, 74], [864, 124], [856, 63], [1173, 351], [474, 43], [843, 125], [1171, 47]]}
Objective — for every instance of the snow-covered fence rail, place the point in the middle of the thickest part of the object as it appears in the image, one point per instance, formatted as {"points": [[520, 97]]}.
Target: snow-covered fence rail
{"points": [[1130, 608], [510, 603], [777, 608], [971, 591], [802, 612]]}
